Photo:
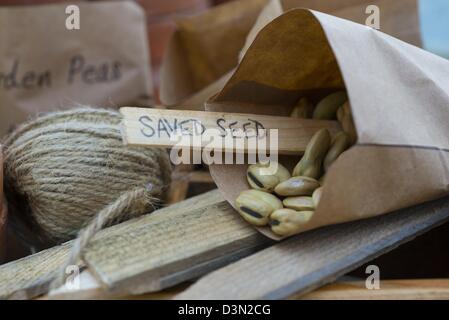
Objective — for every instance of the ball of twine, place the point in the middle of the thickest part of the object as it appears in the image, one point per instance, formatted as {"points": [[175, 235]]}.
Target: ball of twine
{"points": [[66, 171]]}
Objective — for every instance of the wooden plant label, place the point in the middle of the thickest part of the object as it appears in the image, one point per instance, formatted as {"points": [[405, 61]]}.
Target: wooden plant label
{"points": [[226, 132]]}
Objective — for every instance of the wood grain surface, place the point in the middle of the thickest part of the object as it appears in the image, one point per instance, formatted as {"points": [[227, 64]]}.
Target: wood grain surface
{"points": [[308, 261], [402, 289], [29, 277]]}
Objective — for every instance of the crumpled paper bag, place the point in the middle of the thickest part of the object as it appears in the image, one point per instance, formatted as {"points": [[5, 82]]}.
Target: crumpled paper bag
{"points": [[399, 96], [207, 46], [44, 66]]}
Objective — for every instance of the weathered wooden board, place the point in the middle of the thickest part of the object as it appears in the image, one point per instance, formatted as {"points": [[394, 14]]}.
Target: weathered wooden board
{"points": [[179, 243], [149, 253], [408, 289], [315, 258], [404, 289], [28, 277], [217, 130], [187, 179], [3, 212]]}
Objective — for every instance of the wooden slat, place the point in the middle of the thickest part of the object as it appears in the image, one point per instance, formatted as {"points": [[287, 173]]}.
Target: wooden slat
{"points": [[89, 288], [179, 185], [178, 191], [163, 128], [149, 253], [407, 289], [310, 260], [410, 289], [3, 212], [190, 239], [28, 277], [169, 248]]}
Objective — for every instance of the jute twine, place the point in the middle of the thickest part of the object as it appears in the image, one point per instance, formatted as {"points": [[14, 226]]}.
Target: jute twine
{"points": [[68, 174]]}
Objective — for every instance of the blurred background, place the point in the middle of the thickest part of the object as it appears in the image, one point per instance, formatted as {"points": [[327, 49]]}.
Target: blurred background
{"points": [[434, 15]]}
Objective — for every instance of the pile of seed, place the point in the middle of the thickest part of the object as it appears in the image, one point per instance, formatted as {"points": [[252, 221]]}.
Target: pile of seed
{"points": [[287, 201]]}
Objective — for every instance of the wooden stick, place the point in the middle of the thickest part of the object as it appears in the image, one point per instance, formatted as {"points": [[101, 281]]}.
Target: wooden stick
{"points": [[407, 289], [188, 129], [197, 176], [201, 177], [310, 260], [90, 288], [150, 253]]}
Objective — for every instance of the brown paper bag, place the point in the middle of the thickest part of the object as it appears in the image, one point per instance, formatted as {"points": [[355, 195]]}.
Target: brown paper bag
{"points": [[44, 66], [2, 212], [399, 99], [205, 47]]}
